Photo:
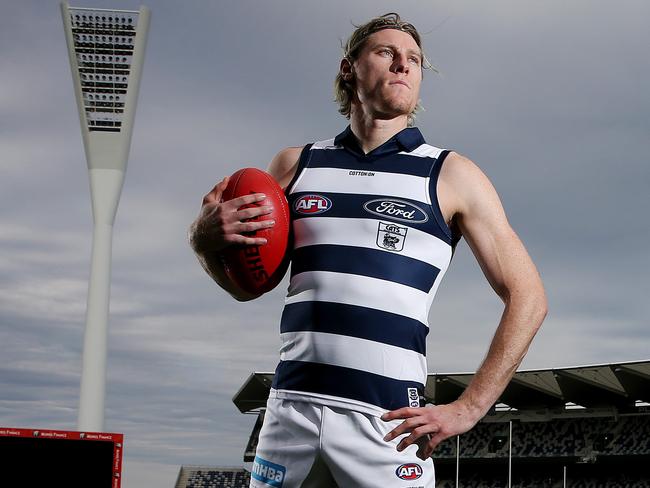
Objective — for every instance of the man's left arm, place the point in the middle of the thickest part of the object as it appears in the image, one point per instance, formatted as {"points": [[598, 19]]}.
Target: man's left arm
{"points": [[513, 276]]}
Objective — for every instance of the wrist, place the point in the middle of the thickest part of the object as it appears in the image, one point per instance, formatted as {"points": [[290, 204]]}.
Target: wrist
{"points": [[200, 240], [474, 409]]}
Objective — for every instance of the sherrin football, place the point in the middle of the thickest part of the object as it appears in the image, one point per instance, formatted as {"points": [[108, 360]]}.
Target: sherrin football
{"points": [[259, 269]]}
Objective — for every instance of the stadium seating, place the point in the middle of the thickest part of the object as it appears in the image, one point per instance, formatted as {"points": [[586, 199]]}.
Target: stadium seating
{"points": [[207, 477], [476, 481], [576, 437], [595, 451]]}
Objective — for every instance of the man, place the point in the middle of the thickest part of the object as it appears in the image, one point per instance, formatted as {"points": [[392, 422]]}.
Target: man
{"points": [[345, 404]]}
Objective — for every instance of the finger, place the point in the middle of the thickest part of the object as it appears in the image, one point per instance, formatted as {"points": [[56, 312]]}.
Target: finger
{"points": [[401, 413], [407, 426], [427, 450], [416, 434], [254, 241], [252, 212], [244, 240], [422, 446], [238, 202], [422, 453], [215, 194], [247, 227]]}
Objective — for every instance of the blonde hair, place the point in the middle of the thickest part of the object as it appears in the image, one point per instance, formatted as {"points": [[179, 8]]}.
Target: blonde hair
{"points": [[344, 90]]}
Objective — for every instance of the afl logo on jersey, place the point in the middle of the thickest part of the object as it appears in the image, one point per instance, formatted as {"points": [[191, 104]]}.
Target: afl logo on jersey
{"points": [[409, 471], [396, 209], [312, 204]]}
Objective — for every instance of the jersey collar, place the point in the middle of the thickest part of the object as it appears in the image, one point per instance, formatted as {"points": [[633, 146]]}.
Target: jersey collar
{"points": [[405, 140]]}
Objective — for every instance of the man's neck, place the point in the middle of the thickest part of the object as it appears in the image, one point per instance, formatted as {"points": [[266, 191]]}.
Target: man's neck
{"points": [[372, 133]]}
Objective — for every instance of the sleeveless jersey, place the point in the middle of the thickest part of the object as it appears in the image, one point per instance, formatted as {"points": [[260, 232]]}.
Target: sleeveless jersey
{"points": [[370, 247]]}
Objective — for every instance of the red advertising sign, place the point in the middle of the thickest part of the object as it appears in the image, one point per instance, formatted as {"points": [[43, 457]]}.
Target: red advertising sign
{"points": [[46, 457]]}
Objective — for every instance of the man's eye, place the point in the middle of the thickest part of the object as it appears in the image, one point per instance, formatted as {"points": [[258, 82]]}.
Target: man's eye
{"points": [[386, 52]]}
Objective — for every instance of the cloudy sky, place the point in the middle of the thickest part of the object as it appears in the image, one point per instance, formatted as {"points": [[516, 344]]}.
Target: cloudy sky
{"points": [[549, 98]]}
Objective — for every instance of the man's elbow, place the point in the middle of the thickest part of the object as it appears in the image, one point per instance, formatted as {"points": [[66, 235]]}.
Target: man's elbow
{"points": [[532, 305], [538, 309], [542, 311]]}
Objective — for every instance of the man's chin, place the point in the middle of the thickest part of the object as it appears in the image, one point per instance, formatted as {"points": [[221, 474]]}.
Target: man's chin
{"points": [[395, 112], [398, 107]]}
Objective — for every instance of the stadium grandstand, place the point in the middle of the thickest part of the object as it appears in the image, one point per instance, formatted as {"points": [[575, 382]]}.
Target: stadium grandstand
{"points": [[212, 477], [578, 427]]}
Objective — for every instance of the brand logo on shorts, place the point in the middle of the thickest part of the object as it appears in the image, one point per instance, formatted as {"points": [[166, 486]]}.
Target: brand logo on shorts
{"points": [[391, 236], [409, 471], [312, 204], [414, 397], [267, 472], [396, 209]]}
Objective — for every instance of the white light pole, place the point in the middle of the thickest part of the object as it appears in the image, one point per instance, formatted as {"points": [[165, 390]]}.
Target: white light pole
{"points": [[106, 50], [510, 455], [457, 458]]}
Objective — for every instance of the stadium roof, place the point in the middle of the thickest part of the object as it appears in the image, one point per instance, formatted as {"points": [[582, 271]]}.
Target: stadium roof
{"points": [[617, 385]]}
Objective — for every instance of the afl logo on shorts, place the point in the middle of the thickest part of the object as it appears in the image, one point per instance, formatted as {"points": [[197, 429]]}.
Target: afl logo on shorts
{"points": [[409, 471], [312, 204]]}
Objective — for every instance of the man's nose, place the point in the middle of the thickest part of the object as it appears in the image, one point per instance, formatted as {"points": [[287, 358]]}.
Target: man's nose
{"points": [[400, 63]]}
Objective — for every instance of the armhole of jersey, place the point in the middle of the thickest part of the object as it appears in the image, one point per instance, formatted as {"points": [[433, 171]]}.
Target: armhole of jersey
{"points": [[305, 154], [433, 195]]}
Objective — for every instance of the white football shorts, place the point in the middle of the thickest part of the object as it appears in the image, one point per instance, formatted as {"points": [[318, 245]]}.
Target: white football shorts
{"points": [[302, 444]]}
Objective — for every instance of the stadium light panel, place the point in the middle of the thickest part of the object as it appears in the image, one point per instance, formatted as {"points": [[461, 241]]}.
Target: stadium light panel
{"points": [[104, 41], [106, 51]]}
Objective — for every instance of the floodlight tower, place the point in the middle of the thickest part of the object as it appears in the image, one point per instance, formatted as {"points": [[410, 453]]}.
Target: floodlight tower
{"points": [[106, 50]]}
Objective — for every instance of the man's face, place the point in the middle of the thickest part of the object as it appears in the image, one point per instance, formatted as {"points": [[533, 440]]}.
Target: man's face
{"points": [[388, 74]]}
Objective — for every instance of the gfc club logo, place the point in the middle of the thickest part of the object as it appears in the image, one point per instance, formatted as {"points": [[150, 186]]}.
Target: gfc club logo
{"points": [[391, 236]]}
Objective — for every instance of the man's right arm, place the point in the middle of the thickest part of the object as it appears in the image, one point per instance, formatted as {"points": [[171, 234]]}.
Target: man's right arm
{"points": [[284, 166], [221, 224]]}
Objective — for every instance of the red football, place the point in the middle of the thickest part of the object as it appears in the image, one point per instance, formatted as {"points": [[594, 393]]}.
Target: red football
{"points": [[258, 269]]}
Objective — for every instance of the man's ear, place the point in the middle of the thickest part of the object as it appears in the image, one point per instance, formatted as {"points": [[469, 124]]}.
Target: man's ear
{"points": [[346, 70]]}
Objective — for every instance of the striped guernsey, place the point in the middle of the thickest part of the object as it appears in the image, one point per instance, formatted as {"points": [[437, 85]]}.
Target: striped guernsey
{"points": [[370, 249]]}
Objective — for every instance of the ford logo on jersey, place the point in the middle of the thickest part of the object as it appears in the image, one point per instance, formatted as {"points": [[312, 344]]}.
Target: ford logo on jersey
{"points": [[410, 471], [312, 204], [396, 209]]}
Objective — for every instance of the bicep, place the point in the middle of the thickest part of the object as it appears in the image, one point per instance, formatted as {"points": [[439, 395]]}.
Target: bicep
{"points": [[284, 165], [497, 248]]}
